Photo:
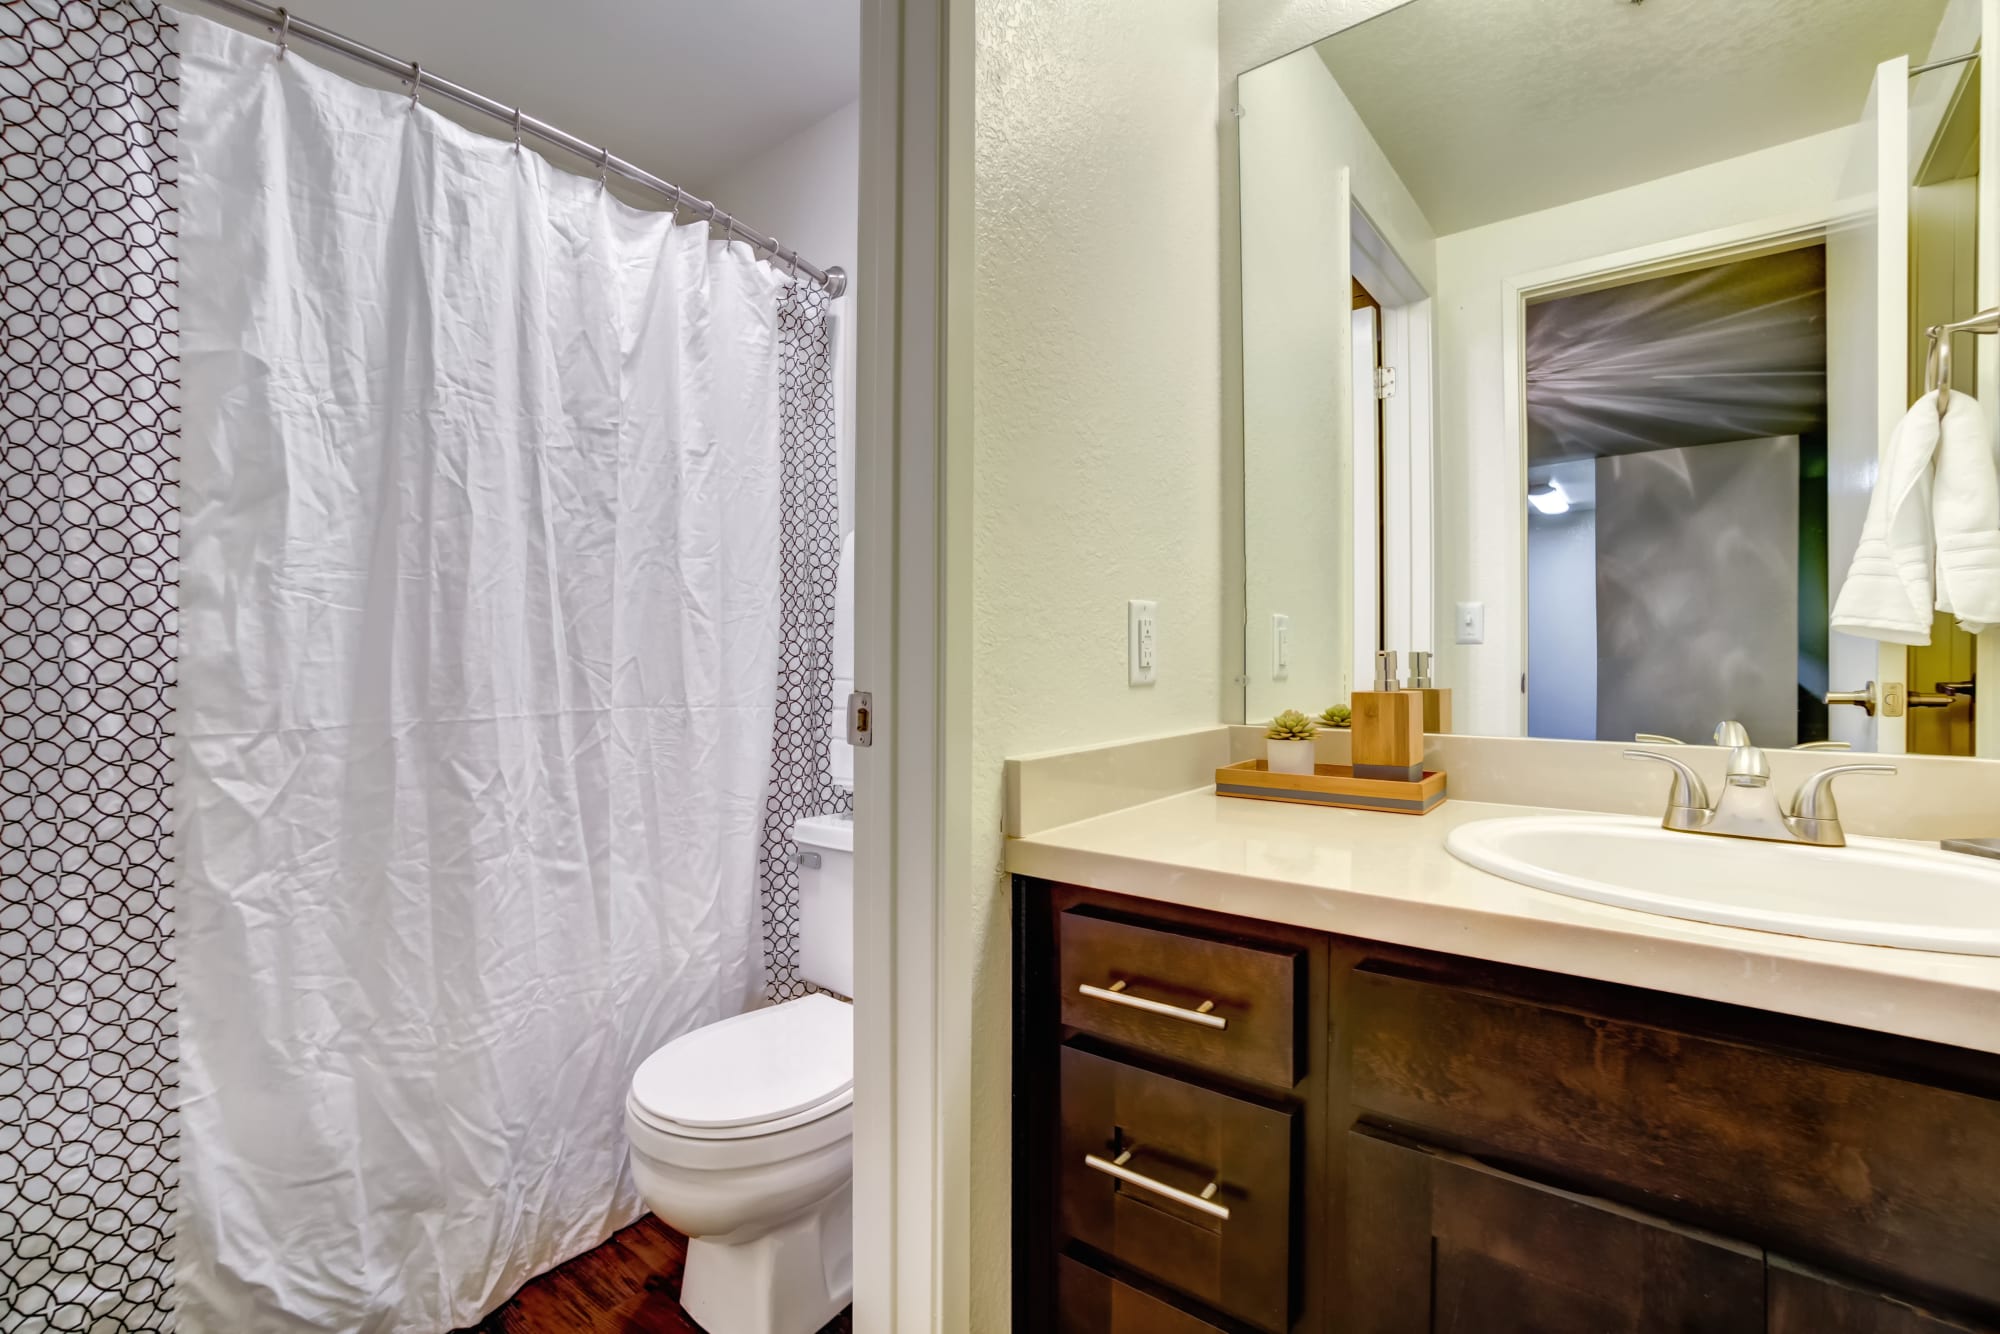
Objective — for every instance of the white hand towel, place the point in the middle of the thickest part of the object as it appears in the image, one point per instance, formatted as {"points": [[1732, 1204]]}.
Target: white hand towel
{"points": [[1887, 594], [1965, 511]]}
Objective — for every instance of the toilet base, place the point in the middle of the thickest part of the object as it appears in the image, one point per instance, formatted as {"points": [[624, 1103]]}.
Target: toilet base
{"points": [[791, 1280]]}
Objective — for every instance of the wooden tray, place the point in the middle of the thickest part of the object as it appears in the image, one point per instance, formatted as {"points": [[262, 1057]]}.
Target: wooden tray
{"points": [[1331, 785]]}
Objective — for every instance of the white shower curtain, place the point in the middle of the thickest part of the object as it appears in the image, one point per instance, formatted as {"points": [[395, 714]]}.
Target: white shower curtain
{"points": [[480, 623]]}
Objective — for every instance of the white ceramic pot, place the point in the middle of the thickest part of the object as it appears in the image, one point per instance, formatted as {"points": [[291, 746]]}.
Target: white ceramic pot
{"points": [[1288, 757]]}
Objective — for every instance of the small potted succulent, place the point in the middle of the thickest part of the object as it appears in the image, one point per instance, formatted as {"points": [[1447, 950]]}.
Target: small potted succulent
{"points": [[1336, 715], [1288, 743]]}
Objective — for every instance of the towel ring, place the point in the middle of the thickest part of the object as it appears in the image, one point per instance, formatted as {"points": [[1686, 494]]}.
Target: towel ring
{"points": [[1937, 368], [1937, 364]]}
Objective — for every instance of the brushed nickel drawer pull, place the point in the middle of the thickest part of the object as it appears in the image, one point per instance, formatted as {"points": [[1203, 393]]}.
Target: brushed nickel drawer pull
{"points": [[1115, 1168], [1117, 995]]}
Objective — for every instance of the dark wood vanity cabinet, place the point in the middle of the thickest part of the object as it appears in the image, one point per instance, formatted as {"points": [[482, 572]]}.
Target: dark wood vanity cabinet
{"points": [[1224, 1125]]}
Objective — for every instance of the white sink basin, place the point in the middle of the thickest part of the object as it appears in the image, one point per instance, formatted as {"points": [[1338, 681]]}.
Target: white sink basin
{"points": [[1871, 892]]}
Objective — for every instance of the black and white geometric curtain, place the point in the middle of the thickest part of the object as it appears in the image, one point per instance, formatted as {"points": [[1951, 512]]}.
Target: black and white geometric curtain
{"points": [[801, 773], [88, 583]]}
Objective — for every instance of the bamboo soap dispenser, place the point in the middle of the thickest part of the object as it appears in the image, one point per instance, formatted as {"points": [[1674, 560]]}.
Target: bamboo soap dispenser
{"points": [[1437, 701], [1388, 727]]}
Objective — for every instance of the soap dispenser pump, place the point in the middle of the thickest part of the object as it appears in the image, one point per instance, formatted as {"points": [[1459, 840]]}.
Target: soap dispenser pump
{"points": [[1437, 701], [1388, 727]]}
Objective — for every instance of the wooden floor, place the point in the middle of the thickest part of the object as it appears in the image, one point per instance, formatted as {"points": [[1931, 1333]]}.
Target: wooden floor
{"points": [[629, 1285]]}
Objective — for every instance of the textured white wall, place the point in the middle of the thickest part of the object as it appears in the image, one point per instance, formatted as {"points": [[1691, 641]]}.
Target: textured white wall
{"points": [[1096, 454], [807, 192], [1481, 509]]}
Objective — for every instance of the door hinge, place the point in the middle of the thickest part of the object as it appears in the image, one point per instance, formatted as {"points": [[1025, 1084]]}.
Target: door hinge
{"points": [[1385, 382], [861, 718]]}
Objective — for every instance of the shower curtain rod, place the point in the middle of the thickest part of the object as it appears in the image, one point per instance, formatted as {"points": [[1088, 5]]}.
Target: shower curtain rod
{"points": [[1946, 63], [288, 26]]}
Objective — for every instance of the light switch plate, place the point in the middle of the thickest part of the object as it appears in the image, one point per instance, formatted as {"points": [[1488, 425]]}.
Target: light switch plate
{"points": [[1142, 649], [1471, 623], [1281, 646]]}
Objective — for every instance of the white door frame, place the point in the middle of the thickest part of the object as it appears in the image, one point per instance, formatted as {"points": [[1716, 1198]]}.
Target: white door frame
{"points": [[1408, 502], [1986, 740], [1366, 448], [1744, 241], [912, 1083]]}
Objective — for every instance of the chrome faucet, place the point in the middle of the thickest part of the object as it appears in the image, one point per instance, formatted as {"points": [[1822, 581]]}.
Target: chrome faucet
{"points": [[1748, 808]]}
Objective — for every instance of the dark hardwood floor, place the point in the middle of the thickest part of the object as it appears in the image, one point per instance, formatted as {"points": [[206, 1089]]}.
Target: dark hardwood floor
{"points": [[629, 1285]]}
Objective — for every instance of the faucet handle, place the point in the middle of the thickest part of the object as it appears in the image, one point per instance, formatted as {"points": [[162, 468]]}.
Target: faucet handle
{"points": [[1815, 798], [1688, 792]]}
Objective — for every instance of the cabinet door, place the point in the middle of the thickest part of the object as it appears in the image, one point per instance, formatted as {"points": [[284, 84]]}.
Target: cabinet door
{"points": [[1804, 1302], [1439, 1244]]}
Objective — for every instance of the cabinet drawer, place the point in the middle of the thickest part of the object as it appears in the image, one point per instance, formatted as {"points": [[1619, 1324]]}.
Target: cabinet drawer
{"points": [[1228, 1004], [1090, 1301], [1139, 1153], [1880, 1177]]}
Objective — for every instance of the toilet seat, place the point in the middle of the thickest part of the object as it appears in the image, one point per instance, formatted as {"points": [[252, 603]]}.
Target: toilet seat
{"points": [[667, 1126], [756, 1074]]}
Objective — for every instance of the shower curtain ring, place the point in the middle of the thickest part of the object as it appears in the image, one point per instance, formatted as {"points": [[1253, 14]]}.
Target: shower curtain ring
{"points": [[728, 226], [517, 129], [284, 31], [674, 209], [603, 165], [416, 81]]}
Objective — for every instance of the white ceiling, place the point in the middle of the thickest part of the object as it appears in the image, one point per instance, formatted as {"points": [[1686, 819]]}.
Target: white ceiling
{"points": [[1494, 108], [683, 88]]}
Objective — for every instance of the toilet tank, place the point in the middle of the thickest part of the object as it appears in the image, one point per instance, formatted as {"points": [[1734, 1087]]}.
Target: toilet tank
{"points": [[826, 901]]}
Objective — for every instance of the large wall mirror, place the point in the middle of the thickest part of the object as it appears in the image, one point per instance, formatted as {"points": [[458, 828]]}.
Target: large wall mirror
{"points": [[1574, 333]]}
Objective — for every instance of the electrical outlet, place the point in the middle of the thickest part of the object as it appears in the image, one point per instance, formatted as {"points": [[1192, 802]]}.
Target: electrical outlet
{"points": [[1142, 621], [1281, 646], [1472, 622]]}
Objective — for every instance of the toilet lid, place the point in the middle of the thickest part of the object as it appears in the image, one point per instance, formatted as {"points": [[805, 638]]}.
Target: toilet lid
{"points": [[754, 1068]]}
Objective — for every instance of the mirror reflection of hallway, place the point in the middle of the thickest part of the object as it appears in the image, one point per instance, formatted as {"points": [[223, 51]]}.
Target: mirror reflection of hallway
{"points": [[1677, 504]]}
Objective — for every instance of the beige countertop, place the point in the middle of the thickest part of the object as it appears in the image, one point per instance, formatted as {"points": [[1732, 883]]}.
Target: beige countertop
{"points": [[1388, 878]]}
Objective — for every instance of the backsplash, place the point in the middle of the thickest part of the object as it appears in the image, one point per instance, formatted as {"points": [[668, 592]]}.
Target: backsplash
{"points": [[1931, 797]]}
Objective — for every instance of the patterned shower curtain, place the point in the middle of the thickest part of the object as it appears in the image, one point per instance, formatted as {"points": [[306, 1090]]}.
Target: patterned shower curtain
{"points": [[89, 517], [801, 769]]}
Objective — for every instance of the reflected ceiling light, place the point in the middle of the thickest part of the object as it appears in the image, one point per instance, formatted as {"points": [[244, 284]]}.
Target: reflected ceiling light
{"points": [[1549, 498]]}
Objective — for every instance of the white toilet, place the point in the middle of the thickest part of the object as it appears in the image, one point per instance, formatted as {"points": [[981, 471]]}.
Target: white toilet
{"points": [[743, 1132]]}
